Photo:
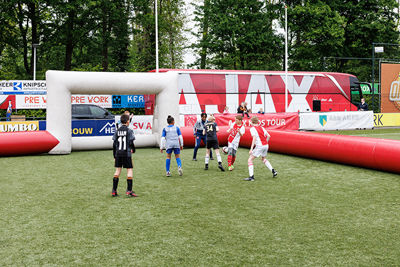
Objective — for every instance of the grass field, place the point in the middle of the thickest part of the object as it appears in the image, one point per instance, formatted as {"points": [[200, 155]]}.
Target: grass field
{"points": [[57, 210]]}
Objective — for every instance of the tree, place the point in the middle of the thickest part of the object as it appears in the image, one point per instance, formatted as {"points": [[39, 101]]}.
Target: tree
{"points": [[171, 41], [238, 34], [315, 31], [340, 29]]}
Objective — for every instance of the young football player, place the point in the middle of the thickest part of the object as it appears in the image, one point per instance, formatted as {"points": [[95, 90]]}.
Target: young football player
{"points": [[260, 141], [123, 147], [236, 130], [211, 129], [126, 112], [172, 140], [199, 136]]}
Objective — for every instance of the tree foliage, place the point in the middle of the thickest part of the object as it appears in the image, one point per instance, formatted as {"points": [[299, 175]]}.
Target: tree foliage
{"points": [[119, 35], [237, 34], [96, 35], [243, 34]]}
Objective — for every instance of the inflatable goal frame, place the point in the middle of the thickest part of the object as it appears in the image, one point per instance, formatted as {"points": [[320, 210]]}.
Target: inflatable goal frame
{"points": [[61, 84]]}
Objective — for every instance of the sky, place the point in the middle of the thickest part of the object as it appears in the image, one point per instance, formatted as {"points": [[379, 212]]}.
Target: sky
{"points": [[189, 57]]}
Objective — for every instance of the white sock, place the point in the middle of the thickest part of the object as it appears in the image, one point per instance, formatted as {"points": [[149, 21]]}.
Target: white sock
{"points": [[251, 170], [269, 166], [207, 159], [219, 158]]}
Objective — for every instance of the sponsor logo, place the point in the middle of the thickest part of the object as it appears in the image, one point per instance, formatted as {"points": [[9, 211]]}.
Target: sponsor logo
{"points": [[17, 86], [82, 131], [263, 122], [323, 119], [19, 126], [108, 128], [141, 125], [378, 120], [394, 93], [116, 100], [135, 98]]}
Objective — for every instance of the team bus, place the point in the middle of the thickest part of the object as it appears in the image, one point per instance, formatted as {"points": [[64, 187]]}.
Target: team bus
{"points": [[212, 90]]}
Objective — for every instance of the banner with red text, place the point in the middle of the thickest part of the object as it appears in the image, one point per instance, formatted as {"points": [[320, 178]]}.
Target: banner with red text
{"points": [[139, 124], [281, 121], [39, 101]]}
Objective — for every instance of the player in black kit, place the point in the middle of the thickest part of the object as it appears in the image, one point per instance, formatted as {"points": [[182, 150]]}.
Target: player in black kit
{"points": [[123, 148], [211, 129]]}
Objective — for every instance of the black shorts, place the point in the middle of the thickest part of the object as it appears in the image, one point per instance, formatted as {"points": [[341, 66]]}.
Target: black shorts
{"points": [[123, 162], [212, 144]]}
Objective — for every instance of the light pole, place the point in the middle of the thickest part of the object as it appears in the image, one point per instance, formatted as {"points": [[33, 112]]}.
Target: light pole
{"points": [[286, 59], [34, 60], [156, 11]]}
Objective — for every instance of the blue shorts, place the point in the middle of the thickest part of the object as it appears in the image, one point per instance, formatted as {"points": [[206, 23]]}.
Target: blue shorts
{"points": [[177, 151]]}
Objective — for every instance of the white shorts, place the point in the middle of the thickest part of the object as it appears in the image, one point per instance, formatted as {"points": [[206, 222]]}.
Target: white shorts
{"points": [[260, 151], [233, 145]]}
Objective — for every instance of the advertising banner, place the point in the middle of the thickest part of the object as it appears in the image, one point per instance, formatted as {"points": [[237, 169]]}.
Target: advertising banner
{"points": [[39, 101], [139, 124], [278, 121], [22, 87], [88, 127], [30, 101], [337, 120], [5, 101], [128, 101], [104, 101], [93, 128], [386, 119], [20, 126], [390, 88], [287, 121]]}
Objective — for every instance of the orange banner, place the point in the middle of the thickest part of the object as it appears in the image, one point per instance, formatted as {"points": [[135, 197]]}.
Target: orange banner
{"points": [[390, 88]]}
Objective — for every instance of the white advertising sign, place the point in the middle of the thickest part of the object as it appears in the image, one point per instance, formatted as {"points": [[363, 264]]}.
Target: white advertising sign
{"points": [[39, 101], [104, 101], [320, 121], [20, 87], [139, 124]]}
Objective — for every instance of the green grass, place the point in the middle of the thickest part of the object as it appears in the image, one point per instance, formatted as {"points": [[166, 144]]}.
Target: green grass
{"points": [[57, 210]]}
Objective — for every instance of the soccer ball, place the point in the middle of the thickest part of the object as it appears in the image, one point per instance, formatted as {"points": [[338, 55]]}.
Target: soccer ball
{"points": [[225, 150]]}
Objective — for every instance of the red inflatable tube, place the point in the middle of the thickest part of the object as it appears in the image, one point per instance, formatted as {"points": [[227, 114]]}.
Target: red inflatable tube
{"points": [[374, 153], [26, 143], [189, 139]]}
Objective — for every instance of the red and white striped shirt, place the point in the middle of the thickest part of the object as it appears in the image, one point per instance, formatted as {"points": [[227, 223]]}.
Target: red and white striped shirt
{"points": [[261, 135], [234, 135]]}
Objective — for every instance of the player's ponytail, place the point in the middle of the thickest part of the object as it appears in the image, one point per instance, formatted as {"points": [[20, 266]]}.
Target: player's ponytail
{"points": [[170, 119]]}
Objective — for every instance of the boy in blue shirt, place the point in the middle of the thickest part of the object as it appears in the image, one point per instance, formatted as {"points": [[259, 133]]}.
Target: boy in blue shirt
{"points": [[172, 140]]}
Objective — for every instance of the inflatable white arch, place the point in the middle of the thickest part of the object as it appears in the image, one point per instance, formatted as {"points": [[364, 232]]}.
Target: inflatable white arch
{"points": [[61, 84]]}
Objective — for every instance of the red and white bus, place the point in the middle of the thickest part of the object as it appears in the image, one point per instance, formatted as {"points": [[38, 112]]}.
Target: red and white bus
{"points": [[212, 90]]}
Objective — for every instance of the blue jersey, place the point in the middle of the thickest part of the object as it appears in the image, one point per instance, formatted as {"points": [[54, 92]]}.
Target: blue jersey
{"points": [[171, 134]]}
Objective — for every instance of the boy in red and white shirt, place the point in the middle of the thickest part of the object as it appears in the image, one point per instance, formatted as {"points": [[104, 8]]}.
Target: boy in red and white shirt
{"points": [[260, 141], [236, 130]]}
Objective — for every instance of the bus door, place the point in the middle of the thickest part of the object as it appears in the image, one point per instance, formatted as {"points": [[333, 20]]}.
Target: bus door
{"points": [[356, 92]]}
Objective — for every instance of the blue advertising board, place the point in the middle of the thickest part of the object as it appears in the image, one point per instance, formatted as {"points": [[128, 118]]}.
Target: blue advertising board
{"points": [[128, 101], [88, 127]]}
